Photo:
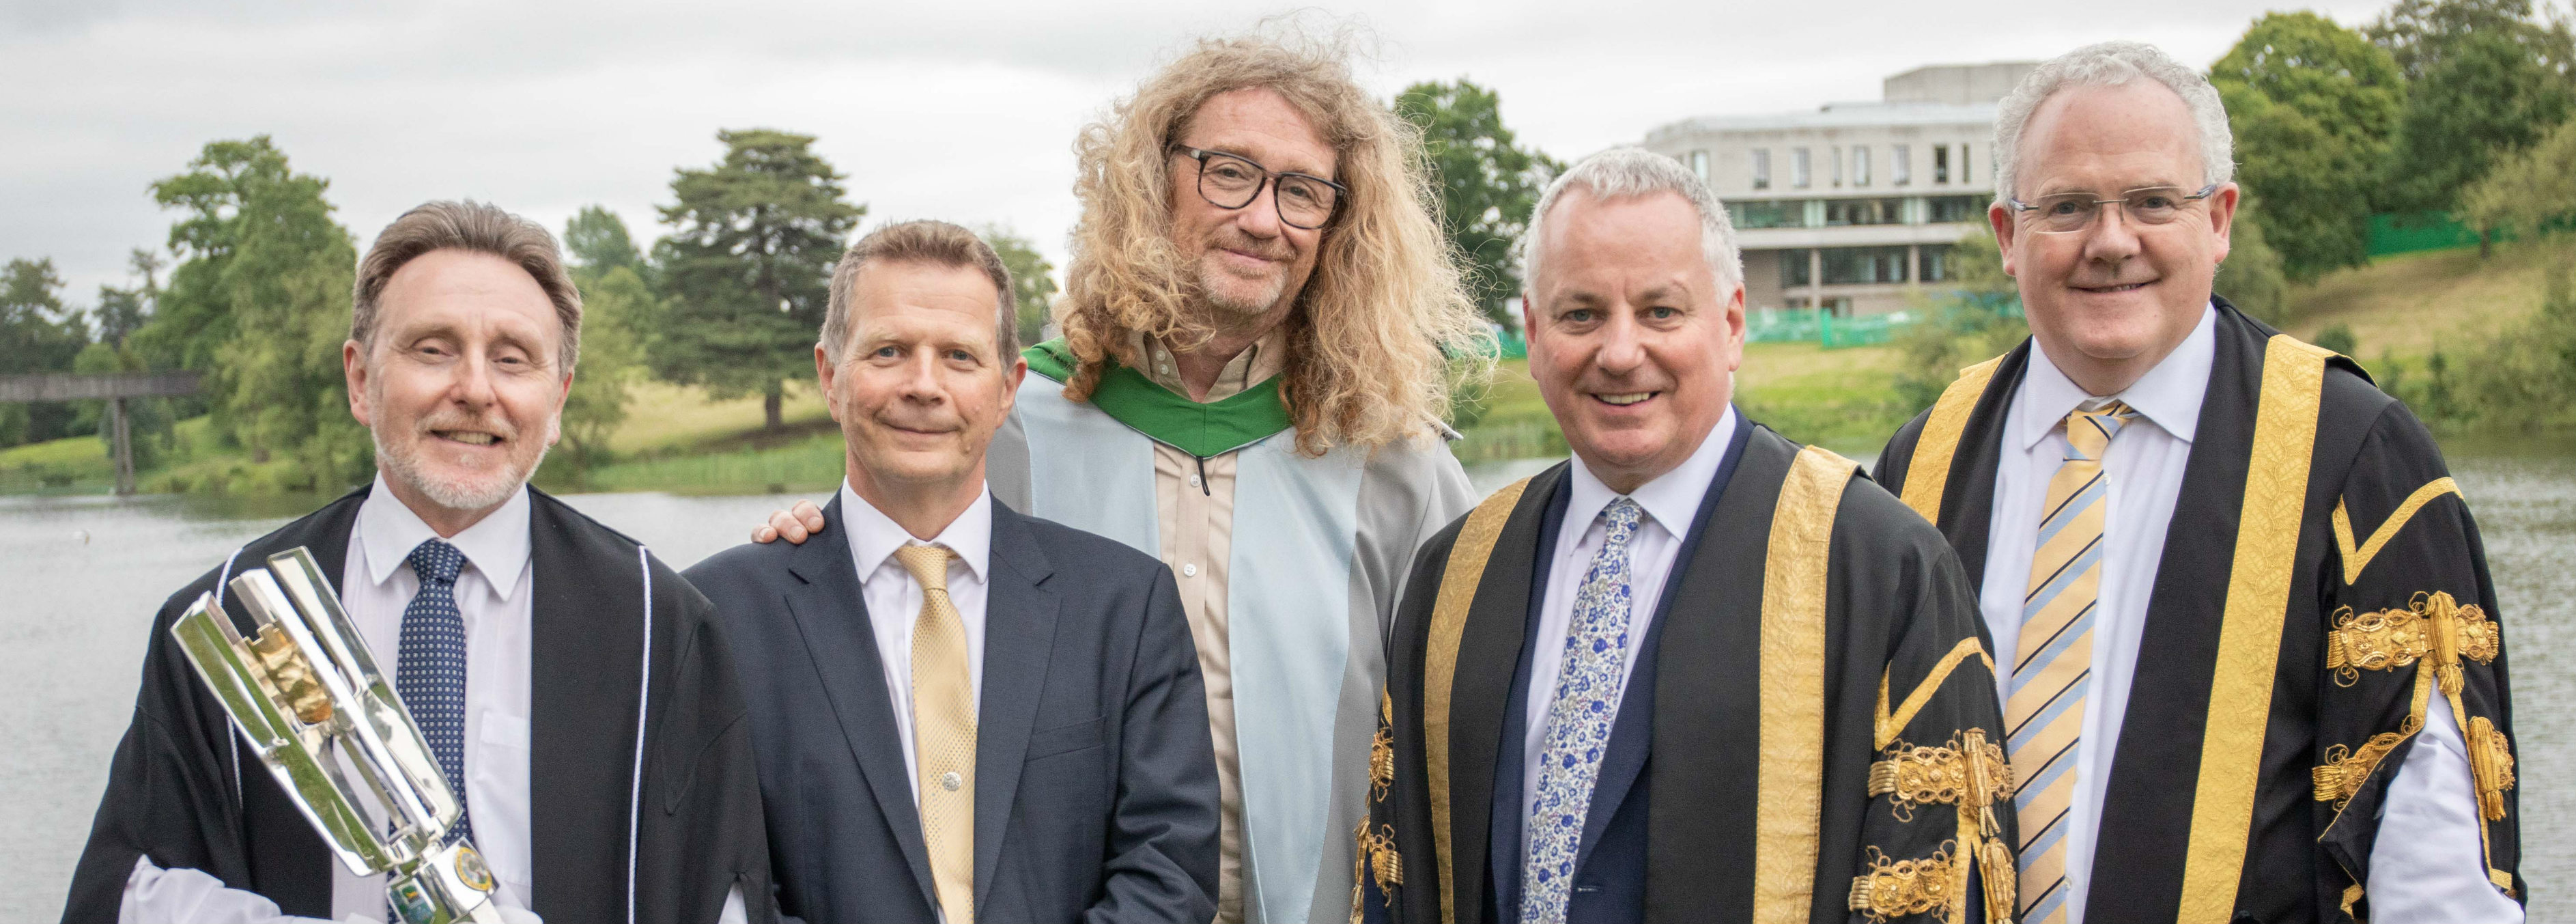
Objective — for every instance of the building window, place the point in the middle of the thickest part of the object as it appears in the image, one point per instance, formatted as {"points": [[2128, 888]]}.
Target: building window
{"points": [[1936, 263], [1840, 212], [1761, 168], [1904, 168], [1838, 164], [1940, 163], [1793, 268], [1774, 213], [1799, 176], [1699, 165], [1864, 265], [1860, 166], [1963, 163], [1947, 209]]}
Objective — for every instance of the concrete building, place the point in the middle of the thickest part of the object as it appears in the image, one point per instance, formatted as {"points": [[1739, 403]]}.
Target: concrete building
{"points": [[1851, 206]]}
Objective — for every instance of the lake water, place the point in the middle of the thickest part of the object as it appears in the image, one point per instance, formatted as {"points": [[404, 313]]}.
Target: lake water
{"points": [[81, 577]]}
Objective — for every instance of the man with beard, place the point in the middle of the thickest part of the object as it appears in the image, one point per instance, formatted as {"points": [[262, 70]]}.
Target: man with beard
{"points": [[1257, 318], [575, 692], [2248, 648], [1697, 672]]}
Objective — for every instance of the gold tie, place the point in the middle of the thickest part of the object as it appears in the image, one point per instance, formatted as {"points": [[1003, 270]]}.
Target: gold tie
{"points": [[2045, 713], [943, 733]]}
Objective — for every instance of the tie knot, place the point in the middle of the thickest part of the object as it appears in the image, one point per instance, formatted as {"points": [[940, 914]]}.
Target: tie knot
{"points": [[928, 564], [2088, 433], [1621, 520], [436, 562]]}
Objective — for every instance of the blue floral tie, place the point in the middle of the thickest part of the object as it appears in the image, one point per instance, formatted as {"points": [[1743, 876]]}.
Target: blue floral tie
{"points": [[1578, 721], [429, 671]]}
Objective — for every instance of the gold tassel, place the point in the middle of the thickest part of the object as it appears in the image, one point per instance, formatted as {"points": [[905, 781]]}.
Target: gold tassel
{"points": [[2002, 886]]}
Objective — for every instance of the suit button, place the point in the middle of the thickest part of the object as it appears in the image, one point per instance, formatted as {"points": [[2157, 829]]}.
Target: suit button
{"points": [[950, 781], [1190, 570]]}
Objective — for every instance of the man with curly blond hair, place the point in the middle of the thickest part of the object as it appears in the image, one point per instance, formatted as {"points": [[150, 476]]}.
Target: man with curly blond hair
{"points": [[1259, 320]]}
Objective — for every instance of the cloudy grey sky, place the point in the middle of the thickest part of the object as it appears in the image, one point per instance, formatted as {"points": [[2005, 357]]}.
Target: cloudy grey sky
{"points": [[961, 111]]}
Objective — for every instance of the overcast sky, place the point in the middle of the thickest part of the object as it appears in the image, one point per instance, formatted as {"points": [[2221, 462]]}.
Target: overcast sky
{"points": [[960, 111]]}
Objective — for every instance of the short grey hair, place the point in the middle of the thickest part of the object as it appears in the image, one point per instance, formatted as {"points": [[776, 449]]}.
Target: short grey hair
{"points": [[473, 227], [2111, 64], [1624, 172], [937, 243]]}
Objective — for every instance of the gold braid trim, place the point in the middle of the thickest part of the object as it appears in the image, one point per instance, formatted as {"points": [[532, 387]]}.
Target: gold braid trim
{"points": [[1897, 888], [2358, 555], [1377, 854], [2341, 776], [2491, 764], [2433, 625], [1969, 773]]}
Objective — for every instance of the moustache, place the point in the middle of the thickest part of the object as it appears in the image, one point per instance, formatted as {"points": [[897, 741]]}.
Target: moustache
{"points": [[1231, 239]]}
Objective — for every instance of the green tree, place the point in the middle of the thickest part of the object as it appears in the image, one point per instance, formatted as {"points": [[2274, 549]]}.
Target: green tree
{"points": [[1979, 318], [2421, 34], [1488, 182], [747, 267], [611, 357], [2486, 99], [2253, 278], [597, 240], [2312, 105], [2530, 193], [260, 300], [37, 334], [1031, 283]]}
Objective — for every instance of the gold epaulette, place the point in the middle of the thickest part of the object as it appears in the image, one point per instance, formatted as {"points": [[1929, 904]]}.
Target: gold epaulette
{"points": [[1896, 888], [1971, 773], [2433, 625]]}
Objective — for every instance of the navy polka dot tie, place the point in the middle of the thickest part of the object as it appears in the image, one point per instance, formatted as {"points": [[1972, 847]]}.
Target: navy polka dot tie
{"points": [[429, 673]]}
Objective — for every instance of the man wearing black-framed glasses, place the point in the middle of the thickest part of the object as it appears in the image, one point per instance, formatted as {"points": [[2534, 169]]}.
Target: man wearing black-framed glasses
{"points": [[2249, 656]]}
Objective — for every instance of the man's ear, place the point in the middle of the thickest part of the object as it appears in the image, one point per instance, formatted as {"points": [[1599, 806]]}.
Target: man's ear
{"points": [[2222, 216], [2000, 217], [353, 368]]}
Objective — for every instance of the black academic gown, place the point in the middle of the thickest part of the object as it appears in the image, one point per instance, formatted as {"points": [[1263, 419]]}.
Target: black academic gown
{"points": [[2375, 527], [1893, 612], [180, 790]]}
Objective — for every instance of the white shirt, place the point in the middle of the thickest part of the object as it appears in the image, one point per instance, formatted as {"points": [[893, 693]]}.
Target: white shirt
{"points": [[376, 585], [894, 599], [2429, 868], [1669, 501]]}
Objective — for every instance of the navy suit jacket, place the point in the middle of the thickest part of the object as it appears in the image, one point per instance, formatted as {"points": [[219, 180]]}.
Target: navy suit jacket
{"points": [[1610, 862], [1095, 791]]}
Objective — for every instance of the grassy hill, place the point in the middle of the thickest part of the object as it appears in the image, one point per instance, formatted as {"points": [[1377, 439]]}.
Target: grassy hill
{"points": [[2410, 304]]}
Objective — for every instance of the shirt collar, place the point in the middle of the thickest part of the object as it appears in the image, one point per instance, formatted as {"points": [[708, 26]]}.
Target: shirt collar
{"points": [[874, 537], [2168, 395], [1672, 498], [496, 546], [1255, 365]]}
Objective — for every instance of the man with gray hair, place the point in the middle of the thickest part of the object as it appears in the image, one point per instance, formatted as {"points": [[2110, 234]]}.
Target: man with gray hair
{"points": [[1696, 672], [528, 642], [2247, 643]]}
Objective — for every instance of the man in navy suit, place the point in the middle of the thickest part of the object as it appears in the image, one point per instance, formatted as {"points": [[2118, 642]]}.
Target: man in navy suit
{"points": [[961, 712]]}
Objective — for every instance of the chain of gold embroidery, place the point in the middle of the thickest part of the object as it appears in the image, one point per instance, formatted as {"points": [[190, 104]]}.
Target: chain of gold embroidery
{"points": [[1896, 888], [2432, 625], [1972, 773], [1377, 856], [2341, 776], [2491, 764]]}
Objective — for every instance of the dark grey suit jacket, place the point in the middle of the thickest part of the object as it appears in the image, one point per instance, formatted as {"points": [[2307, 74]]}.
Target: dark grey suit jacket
{"points": [[1095, 791]]}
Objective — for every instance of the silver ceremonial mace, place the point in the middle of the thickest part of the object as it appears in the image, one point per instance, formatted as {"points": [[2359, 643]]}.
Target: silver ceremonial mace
{"points": [[304, 691]]}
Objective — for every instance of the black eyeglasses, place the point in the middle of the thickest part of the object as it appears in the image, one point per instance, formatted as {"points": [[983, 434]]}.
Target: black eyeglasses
{"points": [[1230, 182]]}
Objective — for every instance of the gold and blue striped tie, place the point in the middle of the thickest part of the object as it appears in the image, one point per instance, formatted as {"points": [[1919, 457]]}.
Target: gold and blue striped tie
{"points": [[2055, 657]]}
